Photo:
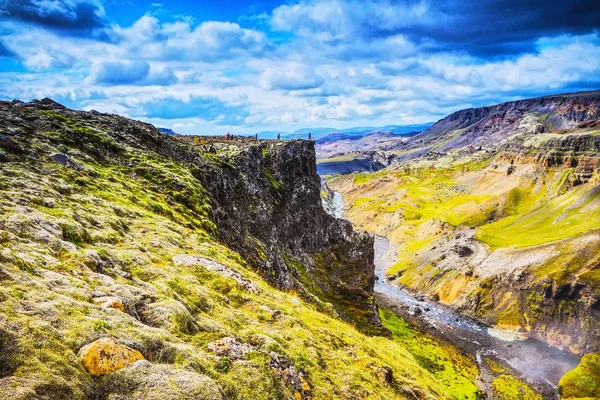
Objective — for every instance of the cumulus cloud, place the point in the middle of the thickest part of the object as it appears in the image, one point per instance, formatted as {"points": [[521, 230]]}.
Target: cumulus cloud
{"points": [[326, 63], [210, 41], [482, 28], [75, 17], [119, 72], [290, 77]]}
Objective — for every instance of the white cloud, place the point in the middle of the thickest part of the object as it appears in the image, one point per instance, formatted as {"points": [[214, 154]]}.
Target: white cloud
{"points": [[328, 73]]}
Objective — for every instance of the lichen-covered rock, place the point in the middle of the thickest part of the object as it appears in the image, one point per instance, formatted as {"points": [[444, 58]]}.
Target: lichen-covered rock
{"points": [[168, 314], [66, 161], [293, 381], [143, 380], [105, 356], [230, 348], [110, 302], [211, 265]]}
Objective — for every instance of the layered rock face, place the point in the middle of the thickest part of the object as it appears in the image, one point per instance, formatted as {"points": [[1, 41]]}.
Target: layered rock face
{"points": [[266, 204], [490, 126]]}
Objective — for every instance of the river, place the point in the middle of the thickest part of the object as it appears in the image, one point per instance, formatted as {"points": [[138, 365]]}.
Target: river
{"points": [[538, 363]]}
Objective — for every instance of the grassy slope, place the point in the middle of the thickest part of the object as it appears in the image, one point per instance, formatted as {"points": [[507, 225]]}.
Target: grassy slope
{"points": [[136, 219], [420, 207], [524, 214], [584, 381]]}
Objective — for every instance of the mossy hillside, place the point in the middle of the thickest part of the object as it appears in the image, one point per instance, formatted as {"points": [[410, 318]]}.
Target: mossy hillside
{"points": [[258, 193], [506, 386], [510, 388], [67, 238], [582, 382], [457, 370], [533, 213], [61, 316], [575, 212]]}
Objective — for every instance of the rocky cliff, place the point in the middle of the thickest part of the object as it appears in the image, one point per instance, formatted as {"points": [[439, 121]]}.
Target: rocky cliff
{"points": [[261, 199], [139, 265]]}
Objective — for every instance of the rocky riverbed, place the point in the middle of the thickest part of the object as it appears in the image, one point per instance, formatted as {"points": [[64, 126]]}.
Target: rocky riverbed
{"points": [[536, 362]]}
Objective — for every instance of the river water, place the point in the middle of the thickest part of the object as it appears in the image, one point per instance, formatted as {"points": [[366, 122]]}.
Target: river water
{"points": [[535, 361]]}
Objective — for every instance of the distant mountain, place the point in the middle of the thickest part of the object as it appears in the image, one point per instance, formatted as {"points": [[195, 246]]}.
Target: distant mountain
{"points": [[492, 126], [168, 131], [318, 133]]}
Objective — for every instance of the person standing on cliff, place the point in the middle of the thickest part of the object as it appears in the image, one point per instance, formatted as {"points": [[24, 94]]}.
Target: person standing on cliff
{"points": [[256, 136], [309, 135], [279, 136]]}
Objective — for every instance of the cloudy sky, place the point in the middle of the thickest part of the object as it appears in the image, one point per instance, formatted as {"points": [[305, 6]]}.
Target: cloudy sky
{"points": [[246, 66]]}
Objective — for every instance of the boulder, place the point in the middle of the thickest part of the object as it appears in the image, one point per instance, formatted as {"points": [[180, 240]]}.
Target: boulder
{"points": [[143, 380], [385, 374], [105, 356], [214, 266], [66, 161], [110, 302]]}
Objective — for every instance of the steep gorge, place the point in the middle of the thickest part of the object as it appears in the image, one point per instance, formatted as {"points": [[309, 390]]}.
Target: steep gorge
{"points": [[138, 265], [497, 213]]}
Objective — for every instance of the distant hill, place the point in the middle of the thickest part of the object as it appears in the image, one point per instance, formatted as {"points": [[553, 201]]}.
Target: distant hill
{"points": [[168, 131], [489, 127], [318, 133]]}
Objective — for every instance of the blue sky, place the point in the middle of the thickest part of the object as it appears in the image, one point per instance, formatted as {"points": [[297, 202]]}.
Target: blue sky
{"points": [[247, 66]]}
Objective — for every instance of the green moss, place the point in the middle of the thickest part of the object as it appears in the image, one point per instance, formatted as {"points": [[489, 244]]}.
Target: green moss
{"points": [[496, 367], [583, 381], [456, 370], [510, 388], [274, 182]]}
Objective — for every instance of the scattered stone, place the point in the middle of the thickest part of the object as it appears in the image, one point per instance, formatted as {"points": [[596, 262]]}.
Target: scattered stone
{"points": [[211, 265], [66, 161], [282, 367], [435, 297], [110, 302], [230, 348], [105, 356], [273, 314], [418, 311], [48, 202], [395, 276], [385, 374], [123, 274], [143, 380], [463, 251], [8, 143]]}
